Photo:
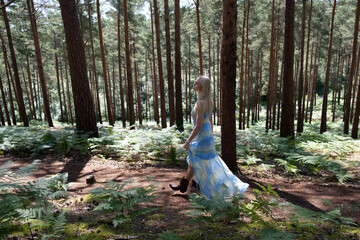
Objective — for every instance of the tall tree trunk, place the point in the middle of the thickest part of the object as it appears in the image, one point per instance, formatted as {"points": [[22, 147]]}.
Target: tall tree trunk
{"points": [[39, 95], [155, 96], [228, 84], [8, 71], [179, 110], [214, 80], [347, 98], [58, 82], [355, 85], [107, 94], [4, 102], [147, 102], [189, 71], [218, 82], [27, 91], [96, 95], [271, 72], [21, 105], [326, 88], [137, 87], [300, 120], [2, 116], [197, 5], [310, 84], [248, 69], [30, 85], [114, 92], [169, 64], [186, 91], [31, 9], [122, 102], [84, 108], [241, 87], [63, 93], [304, 114], [130, 95], [288, 111], [161, 75]]}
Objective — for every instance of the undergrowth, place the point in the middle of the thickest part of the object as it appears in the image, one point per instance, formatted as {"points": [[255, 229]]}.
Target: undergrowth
{"points": [[31, 203], [309, 153], [122, 203]]}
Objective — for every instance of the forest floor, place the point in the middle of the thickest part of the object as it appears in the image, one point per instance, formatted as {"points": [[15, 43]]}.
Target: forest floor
{"points": [[172, 207]]}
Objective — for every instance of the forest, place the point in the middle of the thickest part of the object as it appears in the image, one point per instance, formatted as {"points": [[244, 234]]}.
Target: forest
{"points": [[96, 101]]}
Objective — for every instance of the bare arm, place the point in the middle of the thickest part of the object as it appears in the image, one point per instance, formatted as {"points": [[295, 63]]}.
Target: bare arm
{"points": [[200, 110]]}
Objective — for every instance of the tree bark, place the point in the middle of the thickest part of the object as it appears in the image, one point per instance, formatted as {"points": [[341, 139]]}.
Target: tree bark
{"points": [[155, 88], [63, 93], [228, 83], [179, 110], [169, 64], [30, 85], [4, 102], [8, 71], [347, 98], [304, 114], [122, 102], [96, 95], [130, 95], [18, 90], [288, 111], [107, 94], [137, 87], [300, 119], [197, 5], [241, 87], [271, 72], [30, 6], [84, 108], [161, 75], [58, 83], [327, 76]]}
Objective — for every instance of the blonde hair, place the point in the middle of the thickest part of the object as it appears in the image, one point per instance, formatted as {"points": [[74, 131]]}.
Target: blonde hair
{"points": [[205, 93]]}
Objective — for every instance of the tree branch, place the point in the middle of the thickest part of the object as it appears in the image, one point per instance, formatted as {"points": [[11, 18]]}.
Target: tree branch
{"points": [[6, 4]]}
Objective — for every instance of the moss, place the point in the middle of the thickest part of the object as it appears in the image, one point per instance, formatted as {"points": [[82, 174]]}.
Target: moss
{"points": [[81, 230], [157, 216]]}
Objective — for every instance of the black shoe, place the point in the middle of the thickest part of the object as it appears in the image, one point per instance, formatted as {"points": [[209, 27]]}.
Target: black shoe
{"points": [[182, 186]]}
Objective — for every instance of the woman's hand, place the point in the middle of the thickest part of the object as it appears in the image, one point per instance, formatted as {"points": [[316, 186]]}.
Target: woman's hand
{"points": [[186, 145]]}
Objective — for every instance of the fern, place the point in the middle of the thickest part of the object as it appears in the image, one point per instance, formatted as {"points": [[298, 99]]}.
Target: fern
{"points": [[33, 141], [121, 202], [274, 234], [30, 202], [167, 235], [235, 208], [306, 217]]}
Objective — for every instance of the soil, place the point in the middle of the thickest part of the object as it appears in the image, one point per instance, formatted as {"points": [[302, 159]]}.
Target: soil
{"points": [[303, 191]]}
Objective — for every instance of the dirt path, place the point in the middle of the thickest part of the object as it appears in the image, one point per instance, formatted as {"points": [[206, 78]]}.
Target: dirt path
{"points": [[303, 193]]}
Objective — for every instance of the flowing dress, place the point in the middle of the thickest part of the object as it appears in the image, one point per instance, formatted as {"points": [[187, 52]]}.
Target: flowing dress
{"points": [[211, 173]]}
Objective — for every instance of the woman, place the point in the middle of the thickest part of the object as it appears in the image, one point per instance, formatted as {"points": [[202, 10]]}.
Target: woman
{"points": [[211, 173]]}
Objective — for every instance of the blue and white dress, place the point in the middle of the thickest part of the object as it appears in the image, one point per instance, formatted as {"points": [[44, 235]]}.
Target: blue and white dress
{"points": [[211, 173]]}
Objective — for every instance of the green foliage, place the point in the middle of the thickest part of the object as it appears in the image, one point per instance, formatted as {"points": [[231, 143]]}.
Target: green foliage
{"points": [[123, 203], [308, 154], [306, 217], [171, 158], [235, 208], [147, 142], [167, 235], [30, 203], [34, 141], [274, 234]]}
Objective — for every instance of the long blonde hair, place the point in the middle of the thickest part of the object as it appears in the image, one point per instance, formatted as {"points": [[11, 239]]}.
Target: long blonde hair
{"points": [[205, 93]]}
